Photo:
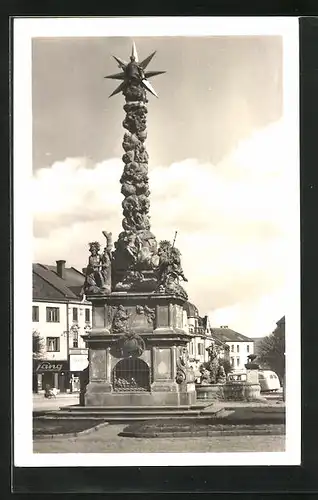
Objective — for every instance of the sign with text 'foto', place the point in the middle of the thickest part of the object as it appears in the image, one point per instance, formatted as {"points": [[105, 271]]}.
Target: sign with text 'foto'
{"points": [[51, 366]]}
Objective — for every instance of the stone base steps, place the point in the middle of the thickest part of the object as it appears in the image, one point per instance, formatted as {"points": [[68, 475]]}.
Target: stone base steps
{"points": [[152, 408], [123, 419], [127, 413]]}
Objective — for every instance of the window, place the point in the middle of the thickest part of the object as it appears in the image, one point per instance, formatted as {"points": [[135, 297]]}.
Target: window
{"points": [[190, 347], [232, 361], [87, 315], [53, 344], [237, 348], [237, 361], [75, 314], [75, 338], [200, 349], [248, 348], [35, 313], [232, 348], [52, 314]]}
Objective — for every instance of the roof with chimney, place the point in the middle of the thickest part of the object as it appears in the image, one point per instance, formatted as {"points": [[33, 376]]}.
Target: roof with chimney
{"points": [[225, 334], [57, 282]]}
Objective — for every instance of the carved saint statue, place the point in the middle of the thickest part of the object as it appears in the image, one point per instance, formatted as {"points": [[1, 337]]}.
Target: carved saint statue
{"points": [[170, 270], [106, 262], [133, 70], [221, 376], [94, 279], [120, 320], [98, 271], [169, 262], [205, 375], [213, 363]]}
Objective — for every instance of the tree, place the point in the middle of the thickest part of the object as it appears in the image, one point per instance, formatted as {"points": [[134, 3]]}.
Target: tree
{"points": [[38, 345], [226, 365], [271, 353]]}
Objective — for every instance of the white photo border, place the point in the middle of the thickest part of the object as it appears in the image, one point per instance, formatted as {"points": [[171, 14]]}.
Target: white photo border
{"points": [[24, 30]]}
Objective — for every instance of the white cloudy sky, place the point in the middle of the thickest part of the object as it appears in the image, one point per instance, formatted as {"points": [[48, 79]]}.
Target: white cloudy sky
{"points": [[217, 168]]}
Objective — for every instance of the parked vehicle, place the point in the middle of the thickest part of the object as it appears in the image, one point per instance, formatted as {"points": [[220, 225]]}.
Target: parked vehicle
{"points": [[237, 377], [268, 381]]}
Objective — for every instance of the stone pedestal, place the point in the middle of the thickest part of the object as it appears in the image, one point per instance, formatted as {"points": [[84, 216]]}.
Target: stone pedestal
{"points": [[138, 369]]}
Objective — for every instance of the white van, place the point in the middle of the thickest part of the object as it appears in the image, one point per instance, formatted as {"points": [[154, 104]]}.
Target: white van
{"points": [[268, 381]]}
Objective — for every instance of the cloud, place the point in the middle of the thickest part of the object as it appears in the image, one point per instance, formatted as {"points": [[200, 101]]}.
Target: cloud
{"points": [[232, 219]]}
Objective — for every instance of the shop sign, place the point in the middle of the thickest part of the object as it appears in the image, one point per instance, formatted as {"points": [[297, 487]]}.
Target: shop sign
{"points": [[78, 362], [51, 366]]}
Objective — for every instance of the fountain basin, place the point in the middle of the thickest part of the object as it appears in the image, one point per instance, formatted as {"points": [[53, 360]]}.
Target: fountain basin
{"points": [[210, 392]]}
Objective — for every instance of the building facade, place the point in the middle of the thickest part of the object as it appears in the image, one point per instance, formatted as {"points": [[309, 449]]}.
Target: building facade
{"points": [[202, 338], [59, 319], [240, 346]]}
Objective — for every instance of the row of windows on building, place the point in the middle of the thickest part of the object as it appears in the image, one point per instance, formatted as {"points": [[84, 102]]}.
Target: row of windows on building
{"points": [[238, 348], [53, 343], [200, 347], [53, 314], [233, 362]]}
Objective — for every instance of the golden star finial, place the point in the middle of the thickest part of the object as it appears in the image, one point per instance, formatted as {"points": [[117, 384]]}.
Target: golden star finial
{"points": [[134, 71]]}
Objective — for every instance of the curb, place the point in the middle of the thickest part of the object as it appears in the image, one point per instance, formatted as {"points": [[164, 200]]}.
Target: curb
{"points": [[71, 434], [274, 431]]}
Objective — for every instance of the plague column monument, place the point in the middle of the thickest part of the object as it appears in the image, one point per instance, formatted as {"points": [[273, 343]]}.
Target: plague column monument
{"points": [[137, 345]]}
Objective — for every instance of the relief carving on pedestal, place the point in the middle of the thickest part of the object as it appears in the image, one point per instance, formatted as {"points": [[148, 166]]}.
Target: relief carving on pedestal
{"points": [[129, 345], [149, 313], [184, 372], [120, 320]]}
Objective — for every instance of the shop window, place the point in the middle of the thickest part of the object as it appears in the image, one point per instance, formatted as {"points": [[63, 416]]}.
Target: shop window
{"points": [[237, 348], [87, 315], [53, 344], [35, 313], [52, 314], [75, 314]]}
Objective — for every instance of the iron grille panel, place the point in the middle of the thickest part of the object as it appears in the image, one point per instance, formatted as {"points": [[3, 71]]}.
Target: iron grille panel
{"points": [[131, 375]]}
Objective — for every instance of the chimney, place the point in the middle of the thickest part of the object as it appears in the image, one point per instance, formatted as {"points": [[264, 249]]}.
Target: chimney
{"points": [[222, 326], [60, 268]]}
